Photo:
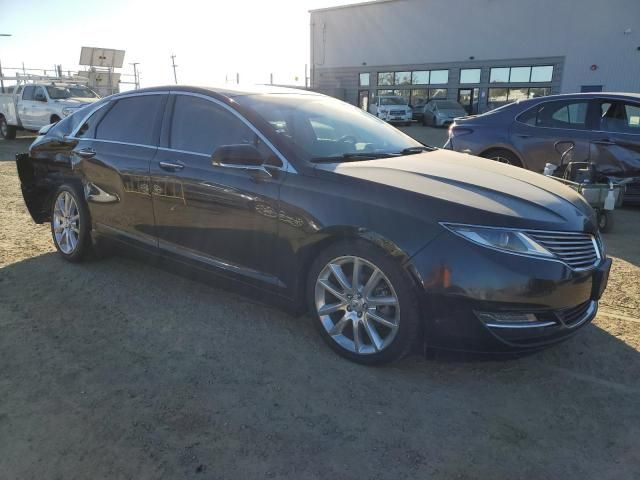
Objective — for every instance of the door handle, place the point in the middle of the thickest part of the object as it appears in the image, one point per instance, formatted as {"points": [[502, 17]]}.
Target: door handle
{"points": [[86, 153], [604, 141], [171, 166], [523, 135]]}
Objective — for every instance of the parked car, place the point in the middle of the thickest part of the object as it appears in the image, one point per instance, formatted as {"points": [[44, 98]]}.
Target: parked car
{"points": [[417, 109], [318, 205], [604, 128], [34, 105], [393, 109], [441, 112]]}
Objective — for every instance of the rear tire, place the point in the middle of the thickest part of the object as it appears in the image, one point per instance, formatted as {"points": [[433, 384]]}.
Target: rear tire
{"points": [[8, 132], [70, 224], [503, 156], [55, 119], [372, 308]]}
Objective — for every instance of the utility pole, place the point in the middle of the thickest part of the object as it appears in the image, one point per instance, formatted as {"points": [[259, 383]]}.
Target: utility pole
{"points": [[237, 78], [136, 80], [306, 76], [2, 81], [271, 78], [173, 64]]}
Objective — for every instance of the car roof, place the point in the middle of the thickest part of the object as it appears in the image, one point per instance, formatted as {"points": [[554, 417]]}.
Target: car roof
{"points": [[229, 92], [584, 95]]}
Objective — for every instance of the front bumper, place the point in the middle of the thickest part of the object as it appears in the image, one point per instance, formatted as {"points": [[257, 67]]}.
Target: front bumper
{"points": [[470, 293], [406, 117]]}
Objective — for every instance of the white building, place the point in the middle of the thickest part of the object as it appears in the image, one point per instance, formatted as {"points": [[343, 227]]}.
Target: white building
{"points": [[480, 52]]}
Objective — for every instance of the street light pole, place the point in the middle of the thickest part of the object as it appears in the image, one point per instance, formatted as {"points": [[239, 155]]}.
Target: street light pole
{"points": [[135, 74], [1, 80], [173, 64]]}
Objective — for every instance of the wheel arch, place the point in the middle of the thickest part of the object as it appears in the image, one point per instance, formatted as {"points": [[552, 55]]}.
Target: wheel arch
{"points": [[39, 184], [323, 239]]}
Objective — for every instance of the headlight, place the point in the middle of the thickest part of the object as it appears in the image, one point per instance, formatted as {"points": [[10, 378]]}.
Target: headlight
{"points": [[68, 111], [504, 239]]}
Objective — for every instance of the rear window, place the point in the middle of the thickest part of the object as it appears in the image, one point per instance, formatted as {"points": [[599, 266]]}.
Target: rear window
{"points": [[132, 120], [568, 114]]}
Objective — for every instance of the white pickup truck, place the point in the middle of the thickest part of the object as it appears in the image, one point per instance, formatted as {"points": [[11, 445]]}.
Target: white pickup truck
{"points": [[34, 105]]}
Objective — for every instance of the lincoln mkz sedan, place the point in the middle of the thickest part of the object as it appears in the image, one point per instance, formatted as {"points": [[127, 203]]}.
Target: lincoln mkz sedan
{"points": [[317, 205]]}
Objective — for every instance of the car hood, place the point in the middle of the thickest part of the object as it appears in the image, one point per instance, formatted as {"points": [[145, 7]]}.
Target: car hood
{"points": [[456, 187], [76, 101], [452, 112]]}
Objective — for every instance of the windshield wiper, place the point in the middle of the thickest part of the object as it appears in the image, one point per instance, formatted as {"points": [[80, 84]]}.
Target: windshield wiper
{"points": [[353, 156], [412, 150]]}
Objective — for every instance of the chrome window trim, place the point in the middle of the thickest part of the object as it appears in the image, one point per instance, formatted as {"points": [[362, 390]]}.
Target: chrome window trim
{"points": [[286, 165], [116, 142], [546, 258]]}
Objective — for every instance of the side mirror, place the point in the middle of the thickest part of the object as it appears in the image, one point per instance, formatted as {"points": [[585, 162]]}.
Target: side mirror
{"points": [[44, 130], [243, 156]]}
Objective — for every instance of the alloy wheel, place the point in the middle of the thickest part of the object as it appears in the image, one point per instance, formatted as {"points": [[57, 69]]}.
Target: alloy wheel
{"points": [[501, 159], [357, 305], [66, 223]]}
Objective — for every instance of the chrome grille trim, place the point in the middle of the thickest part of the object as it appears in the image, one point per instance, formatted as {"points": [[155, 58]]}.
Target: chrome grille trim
{"points": [[580, 251]]}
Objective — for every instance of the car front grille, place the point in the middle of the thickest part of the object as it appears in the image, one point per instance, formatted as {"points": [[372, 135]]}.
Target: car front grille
{"points": [[580, 251], [397, 112]]}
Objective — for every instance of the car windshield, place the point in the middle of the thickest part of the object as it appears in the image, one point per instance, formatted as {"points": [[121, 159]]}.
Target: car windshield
{"points": [[60, 93], [82, 92], [320, 128], [392, 101], [448, 105]]}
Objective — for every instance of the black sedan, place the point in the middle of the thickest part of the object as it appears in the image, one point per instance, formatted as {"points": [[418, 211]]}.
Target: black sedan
{"points": [[603, 127], [316, 205]]}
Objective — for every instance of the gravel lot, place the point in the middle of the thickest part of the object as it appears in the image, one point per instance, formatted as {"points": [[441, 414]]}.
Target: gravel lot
{"points": [[114, 369]]}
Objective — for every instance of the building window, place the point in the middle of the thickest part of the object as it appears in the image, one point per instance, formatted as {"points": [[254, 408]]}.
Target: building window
{"points": [[385, 78], [470, 75], [497, 95], [364, 79], [420, 77], [538, 74], [402, 78], [385, 93], [499, 75], [419, 96], [438, 93], [535, 92], [439, 77], [520, 74], [500, 96], [542, 74]]}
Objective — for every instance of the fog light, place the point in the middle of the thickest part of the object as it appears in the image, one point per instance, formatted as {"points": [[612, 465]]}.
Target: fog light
{"points": [[512, 320]]}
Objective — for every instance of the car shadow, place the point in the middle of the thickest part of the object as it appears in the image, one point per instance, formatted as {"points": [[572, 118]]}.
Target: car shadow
{"points": [[158, 363], [624, 239]]}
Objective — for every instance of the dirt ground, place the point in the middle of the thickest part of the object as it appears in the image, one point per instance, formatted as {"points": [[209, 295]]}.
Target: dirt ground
{"points": [[114, 369]]}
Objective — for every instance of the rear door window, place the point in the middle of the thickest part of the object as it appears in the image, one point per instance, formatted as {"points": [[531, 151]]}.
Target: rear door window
{"points": [[28, 92], [570, 114], [133, 120], [620, 117]]}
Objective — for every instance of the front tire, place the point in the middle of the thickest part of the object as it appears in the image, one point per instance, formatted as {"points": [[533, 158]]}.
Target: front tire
{"points": [[8, 132], [364, 303], [70, 224], [605, 221]]}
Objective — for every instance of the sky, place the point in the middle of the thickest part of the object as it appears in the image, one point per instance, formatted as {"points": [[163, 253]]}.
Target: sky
{"points": [[212, 40]]}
